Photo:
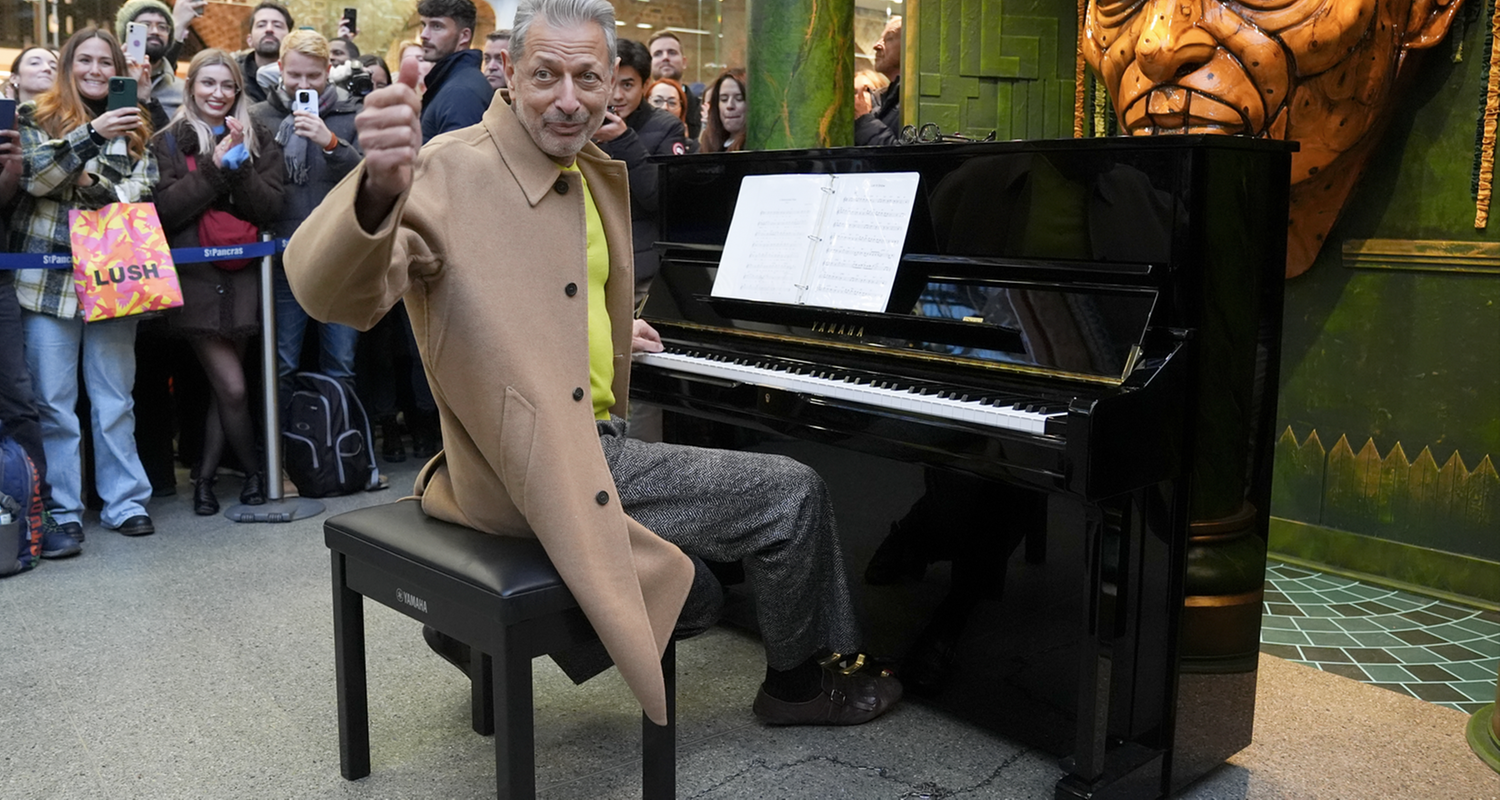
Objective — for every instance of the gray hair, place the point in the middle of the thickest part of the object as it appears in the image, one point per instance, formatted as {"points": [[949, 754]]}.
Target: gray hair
{"points": [[562, 14]]}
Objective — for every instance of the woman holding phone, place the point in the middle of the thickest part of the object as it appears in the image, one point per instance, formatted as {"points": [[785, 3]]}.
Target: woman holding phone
{"points": [[216, 162], [80, 155]]}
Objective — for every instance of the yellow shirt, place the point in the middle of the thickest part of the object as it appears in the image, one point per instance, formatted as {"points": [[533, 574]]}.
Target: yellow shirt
{"points": [[601, 343]]}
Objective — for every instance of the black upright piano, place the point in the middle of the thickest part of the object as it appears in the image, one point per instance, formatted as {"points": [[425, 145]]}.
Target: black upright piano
{"points": [[1094, 324]]}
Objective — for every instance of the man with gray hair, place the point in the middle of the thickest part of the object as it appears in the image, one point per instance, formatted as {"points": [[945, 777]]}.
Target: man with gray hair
{"points": [[522, 310]]}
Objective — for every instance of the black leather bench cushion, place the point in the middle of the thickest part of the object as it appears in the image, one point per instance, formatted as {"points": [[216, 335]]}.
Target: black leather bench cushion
{"points": [[512, 568]]}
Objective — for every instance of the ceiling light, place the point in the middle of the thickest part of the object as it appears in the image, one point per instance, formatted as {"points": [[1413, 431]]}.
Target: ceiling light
{"points": [[645, 25], [619, 24]]}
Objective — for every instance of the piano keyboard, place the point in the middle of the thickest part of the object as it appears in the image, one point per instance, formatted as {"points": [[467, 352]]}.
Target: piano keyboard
{"points": [[1027, 415]]}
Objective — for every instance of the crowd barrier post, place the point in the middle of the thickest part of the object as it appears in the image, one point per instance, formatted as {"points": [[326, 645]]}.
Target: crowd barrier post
{"points": [[278, 507]]}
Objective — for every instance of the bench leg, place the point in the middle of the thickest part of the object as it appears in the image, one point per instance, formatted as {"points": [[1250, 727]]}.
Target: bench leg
{"points": [[659, 742], [515, 742], [481, 692], [349, 667]]}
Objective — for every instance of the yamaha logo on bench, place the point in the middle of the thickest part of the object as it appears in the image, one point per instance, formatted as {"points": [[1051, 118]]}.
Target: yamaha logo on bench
{"points": [[412, 600]]}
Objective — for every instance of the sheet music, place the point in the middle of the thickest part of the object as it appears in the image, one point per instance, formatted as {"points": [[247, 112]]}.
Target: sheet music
{"points": [[861, 242], [770, 238], [826, 240]]}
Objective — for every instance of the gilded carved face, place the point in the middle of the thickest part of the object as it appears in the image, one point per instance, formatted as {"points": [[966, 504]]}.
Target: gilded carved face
{"points": [[1316, 71]]}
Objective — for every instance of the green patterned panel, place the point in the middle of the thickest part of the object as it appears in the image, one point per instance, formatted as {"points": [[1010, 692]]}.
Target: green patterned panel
{"points": [[944, 114], [1021, 56], [801, 74]]}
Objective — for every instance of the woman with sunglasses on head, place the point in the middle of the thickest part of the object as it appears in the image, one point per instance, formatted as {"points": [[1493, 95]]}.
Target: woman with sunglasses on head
{"points": [[214, 159], [81, 156], [31, 73]]}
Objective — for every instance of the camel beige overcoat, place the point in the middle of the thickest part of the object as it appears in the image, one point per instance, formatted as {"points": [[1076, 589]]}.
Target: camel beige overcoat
{"points": [[488, 248]]}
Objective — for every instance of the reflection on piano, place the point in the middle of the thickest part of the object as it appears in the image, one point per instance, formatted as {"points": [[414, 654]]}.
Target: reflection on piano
{"points": [[1097, 321]]}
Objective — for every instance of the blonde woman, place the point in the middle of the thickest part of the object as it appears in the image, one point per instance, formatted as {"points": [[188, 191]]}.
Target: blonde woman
{"points": [[80, 156], [213, 157]]}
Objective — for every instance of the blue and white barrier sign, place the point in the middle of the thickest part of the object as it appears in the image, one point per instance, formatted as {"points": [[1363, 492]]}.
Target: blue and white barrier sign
{"points": [[184, 255]]}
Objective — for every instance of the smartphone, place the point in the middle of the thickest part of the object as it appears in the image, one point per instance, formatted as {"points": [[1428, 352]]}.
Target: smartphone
{"points": [[135, 43], [352, 15], [7, 113], [306, 100], [122, 93]]}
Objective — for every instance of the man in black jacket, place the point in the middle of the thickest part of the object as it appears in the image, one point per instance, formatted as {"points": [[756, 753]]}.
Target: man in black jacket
{"points": [[633, 130], [880, 123], [270, 22], [319, 150], [457, 92]]}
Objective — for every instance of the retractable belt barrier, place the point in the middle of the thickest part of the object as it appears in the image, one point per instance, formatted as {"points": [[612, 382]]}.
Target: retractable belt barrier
{"points": [[184, 255]]}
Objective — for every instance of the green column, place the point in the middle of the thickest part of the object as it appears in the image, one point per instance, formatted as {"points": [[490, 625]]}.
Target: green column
{"points": [[801, 74]]}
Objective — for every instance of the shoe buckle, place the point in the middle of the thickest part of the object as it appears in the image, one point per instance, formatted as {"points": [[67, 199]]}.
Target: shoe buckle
{"points": [[837, 663], [837, 696]]}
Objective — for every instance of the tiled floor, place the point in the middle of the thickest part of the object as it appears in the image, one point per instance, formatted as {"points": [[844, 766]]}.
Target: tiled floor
{"points": [[1434, 650]]}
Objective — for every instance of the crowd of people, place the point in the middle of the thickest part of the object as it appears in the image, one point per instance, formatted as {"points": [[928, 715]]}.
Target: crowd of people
{"points": [[228, 145]]}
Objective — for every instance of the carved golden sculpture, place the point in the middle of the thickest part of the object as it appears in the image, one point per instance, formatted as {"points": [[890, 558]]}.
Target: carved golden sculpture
{"points": [[1320, 72]]}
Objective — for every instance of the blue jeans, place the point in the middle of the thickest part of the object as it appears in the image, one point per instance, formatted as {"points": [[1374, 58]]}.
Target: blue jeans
{"points": [[335, 342], [54, 348]]}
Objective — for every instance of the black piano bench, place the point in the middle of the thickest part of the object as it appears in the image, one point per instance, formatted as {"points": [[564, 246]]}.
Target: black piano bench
{"points": [[499, 594]]}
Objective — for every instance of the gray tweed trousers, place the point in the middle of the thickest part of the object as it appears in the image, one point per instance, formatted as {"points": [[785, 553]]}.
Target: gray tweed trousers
{"points": [[771, 513]]}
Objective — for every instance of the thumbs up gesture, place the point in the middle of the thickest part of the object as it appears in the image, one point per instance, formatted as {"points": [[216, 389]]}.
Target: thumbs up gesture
{"points": [[390, 132]]}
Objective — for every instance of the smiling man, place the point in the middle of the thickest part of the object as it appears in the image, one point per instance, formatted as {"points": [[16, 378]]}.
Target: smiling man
{"points": [[457, 93], [521, 306]]}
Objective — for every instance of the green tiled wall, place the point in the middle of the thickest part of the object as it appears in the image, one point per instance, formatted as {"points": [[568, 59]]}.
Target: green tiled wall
{"points": [[984, 65]]}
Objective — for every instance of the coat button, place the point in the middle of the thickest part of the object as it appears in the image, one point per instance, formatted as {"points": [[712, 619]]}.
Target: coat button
{"points": [[578, 393], [219, 288], [571, 289], [561, 187], [602, 498]]}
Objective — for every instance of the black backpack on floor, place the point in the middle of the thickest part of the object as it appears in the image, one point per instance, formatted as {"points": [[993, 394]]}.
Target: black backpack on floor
{"points": [[325, 439]]}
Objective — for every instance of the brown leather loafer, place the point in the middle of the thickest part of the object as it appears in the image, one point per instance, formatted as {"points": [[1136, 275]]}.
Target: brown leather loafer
{"points": [[846, 699]]}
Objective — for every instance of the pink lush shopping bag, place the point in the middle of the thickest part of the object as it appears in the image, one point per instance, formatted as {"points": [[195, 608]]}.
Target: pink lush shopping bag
{"points": [[121, 262]]}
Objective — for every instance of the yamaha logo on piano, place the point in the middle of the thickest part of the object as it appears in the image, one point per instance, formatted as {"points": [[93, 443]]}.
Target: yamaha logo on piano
{"points": [[839, 330], [412, 600]]}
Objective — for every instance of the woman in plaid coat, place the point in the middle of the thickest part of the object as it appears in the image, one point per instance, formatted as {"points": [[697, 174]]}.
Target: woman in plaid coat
{"points": [[78, 155]]}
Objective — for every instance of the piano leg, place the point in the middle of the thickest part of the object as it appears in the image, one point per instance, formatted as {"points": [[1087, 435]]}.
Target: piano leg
{"points": [[1126, 676]]}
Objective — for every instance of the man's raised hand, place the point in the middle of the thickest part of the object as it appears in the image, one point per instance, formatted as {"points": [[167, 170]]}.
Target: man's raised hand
{"points": [[390, 132]]}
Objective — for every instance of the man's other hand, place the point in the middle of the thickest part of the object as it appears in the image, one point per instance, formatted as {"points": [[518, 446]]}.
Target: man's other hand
{"points": [[644, 338], [390, 133]]}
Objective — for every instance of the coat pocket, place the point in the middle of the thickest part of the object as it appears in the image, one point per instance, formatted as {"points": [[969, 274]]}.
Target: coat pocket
{"points": [[517, 433]]}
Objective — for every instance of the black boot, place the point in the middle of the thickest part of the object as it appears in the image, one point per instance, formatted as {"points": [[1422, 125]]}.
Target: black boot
{"points": [[204, 502], [253, 492]]}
